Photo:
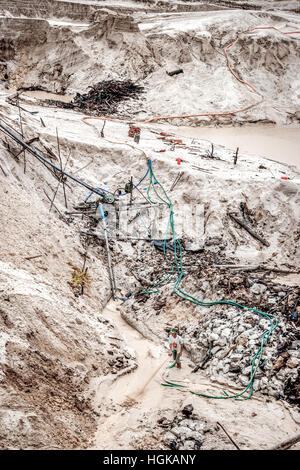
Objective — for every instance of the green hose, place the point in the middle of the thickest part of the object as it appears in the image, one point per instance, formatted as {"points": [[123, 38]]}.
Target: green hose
{"points": [[184, 295]]}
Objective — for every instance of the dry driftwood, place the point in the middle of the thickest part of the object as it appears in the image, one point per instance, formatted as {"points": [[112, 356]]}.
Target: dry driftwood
{"points": [[249, 230], [287, 444], [32, 257], [256, 267], [238, 267]]}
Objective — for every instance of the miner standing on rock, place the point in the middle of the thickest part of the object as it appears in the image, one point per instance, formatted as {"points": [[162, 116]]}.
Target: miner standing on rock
{"points": [[176, 346]]}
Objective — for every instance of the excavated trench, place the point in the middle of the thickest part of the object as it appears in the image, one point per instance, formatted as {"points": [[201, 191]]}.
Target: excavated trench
{"points": [[72, 377]]}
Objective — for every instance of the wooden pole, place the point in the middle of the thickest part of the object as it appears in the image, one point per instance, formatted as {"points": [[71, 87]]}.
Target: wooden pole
{"points": [[102, 130], [236, 155], [63, 183], [110, 269], [22, 134], [61, 179], [131, 188], [228, 435]]}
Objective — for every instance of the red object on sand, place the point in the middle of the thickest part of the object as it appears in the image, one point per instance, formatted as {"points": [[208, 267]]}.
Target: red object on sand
{"points": [[285, 178], [133, 130], [178, 161]]}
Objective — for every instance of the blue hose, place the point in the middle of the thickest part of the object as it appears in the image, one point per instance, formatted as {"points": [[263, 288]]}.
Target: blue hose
{"points": [[124, 194]]}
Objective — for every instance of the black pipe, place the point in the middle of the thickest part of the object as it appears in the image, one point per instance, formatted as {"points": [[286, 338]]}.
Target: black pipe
{"points": [[175, 72], [40, 157]]}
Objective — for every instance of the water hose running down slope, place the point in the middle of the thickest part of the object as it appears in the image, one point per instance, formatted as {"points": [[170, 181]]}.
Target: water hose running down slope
{"points": [[177, 268], [185, 296]]}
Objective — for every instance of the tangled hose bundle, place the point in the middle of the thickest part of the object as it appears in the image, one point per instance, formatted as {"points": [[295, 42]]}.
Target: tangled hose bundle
{"points": [[185, 296], [177, 266]]}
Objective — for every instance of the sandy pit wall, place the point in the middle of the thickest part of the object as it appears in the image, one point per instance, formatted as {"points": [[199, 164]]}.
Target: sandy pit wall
{"points": [[52, 342]]}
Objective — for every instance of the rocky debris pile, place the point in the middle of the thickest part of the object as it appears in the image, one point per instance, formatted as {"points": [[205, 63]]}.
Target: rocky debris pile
{"points": [[104, 97], [120, 361], [231, 335], [233, 338], [185, 431], [180, 428], [190, 431]]}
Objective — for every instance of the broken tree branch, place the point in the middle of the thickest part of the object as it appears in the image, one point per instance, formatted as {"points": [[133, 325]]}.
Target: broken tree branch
{"points": [[256, 267], [85, 166], [49, 151], [32, 257], [5, 174], [28, 142], [102, 130], [287, 444], [248, 229], [56, 208]]}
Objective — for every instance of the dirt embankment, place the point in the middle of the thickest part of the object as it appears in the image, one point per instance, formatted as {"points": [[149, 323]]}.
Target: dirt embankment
{"points": [[145, 47], [52, 342]]}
